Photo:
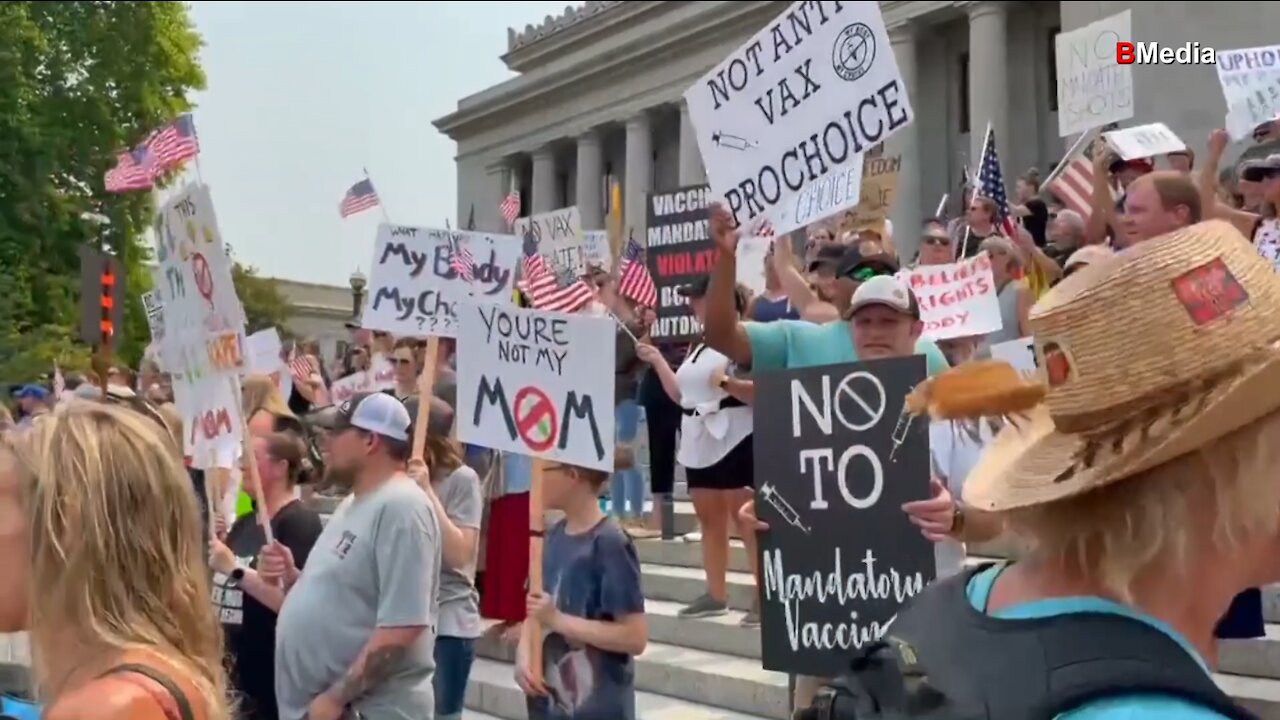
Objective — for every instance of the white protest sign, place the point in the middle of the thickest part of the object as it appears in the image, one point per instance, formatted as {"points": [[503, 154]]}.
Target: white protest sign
{"points": [[413, 288], [595, 250], [210, 413], [1250, 79], [537, 383], [559, 237], [783, 122], [753, 253], [202, 315], [154, 308], [1093, 89], [958, 299], [264, 351], [1144, 141], [381, 375], [1020, 353]]}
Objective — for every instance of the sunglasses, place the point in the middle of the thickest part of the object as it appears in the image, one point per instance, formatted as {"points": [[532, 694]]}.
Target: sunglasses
{"points": [[404, 361], [863, 274], [932, 240]]}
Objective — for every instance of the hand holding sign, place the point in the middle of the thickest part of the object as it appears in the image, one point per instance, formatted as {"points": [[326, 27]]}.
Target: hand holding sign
{"points": [[723, 233], [936, 516]]}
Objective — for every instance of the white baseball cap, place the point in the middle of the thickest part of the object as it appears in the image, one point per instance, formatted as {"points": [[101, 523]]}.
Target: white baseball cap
{"points": [[378, 413], [885, 290]]}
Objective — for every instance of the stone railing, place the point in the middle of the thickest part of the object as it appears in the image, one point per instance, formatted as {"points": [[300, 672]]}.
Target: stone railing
{"points": [[553, 24]]}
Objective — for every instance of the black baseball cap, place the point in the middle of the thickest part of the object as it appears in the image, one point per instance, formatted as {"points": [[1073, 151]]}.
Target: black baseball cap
{"points": [[828, 256], [854, 264]]}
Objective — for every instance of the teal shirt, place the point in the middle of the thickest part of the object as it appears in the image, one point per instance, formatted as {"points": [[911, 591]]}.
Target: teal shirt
{"points": [[790, 344], [1123, 707]]}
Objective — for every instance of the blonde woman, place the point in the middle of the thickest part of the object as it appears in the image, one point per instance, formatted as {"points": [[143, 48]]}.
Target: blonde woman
{"points": [[265, 409], [101, 543], [454, 490]]}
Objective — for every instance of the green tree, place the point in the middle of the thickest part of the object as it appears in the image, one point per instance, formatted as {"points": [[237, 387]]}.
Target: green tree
{"points": [[79, 81], [264, 305]]}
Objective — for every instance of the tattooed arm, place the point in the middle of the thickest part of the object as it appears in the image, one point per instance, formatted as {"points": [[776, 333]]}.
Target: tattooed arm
{"points": [[380, 658]]}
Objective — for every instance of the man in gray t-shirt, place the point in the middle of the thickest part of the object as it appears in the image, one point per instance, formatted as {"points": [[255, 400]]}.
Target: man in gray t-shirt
{"points": [[358, 627]]}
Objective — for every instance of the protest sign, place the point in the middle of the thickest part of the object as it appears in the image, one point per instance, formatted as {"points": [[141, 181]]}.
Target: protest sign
{"points": [[1093, 89], [956, 300], [264, 358], [560, 238], [879, 185], [1250, 79], [210, 412], [1020, 353], [1144, 141], [203, 318], [381, 375], [680, 251], [537, 383], [413, 288], [753, 253], [154, 308], [835, 459], [782, 123], [596, 253]]}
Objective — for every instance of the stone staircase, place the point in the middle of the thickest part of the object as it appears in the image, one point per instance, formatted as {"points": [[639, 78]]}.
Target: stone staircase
{"points": [[709, 669]]}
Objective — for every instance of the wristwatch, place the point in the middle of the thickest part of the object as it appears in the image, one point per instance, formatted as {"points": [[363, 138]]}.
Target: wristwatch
{"points": [[237, 574]]}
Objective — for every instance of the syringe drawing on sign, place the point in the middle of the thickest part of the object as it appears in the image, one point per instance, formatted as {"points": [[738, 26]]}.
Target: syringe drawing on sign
{"points": [[900, 432], [779, 503], [732, 142]]}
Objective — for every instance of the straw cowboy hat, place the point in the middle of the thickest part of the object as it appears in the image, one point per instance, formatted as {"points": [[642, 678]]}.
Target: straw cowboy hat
{"points": [[1147, 356]]}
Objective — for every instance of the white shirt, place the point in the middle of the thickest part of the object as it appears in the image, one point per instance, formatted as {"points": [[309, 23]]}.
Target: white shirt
{"points": [[709, 433], [953, 453], [1267, 240]]}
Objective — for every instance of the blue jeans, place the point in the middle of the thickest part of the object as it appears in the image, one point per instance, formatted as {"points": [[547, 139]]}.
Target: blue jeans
{"points": [[453, 667], [626, 487]]}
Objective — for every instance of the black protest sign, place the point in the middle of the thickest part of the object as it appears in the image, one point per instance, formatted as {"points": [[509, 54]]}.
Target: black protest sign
{"points": [[835, 460], [679, 252]]}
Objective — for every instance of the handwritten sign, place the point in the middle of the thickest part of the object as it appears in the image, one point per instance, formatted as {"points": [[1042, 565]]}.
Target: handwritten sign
{"points": [[154, 307], [537, 383], [560, 238], [210, 413], [1093, 89], [413, 288], [879, 186], [381, 375], [784, 120], [1250, 80], [835, 460], [264, 351], [596, 253], [958, 299], [1144, 141]]}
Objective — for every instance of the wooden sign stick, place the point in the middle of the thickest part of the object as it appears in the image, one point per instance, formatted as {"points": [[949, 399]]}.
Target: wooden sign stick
{"points": [[251, 462], [426, 391], [537, 525]]}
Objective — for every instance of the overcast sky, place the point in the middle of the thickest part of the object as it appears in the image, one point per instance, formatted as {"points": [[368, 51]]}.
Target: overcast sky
{"points": [[303, 96]]}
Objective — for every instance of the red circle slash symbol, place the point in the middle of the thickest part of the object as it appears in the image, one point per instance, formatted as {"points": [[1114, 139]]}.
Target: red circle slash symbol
{"points": [[535, 419], [204, 277]]}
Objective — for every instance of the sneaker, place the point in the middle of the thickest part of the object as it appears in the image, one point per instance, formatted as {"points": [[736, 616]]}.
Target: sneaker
{"points": [[705, 606], [752, 618], [694, 536], [639, 532]]}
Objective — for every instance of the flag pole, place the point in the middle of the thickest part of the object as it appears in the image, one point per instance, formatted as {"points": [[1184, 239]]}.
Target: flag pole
{"points": [[382, 205], [977, 186]]}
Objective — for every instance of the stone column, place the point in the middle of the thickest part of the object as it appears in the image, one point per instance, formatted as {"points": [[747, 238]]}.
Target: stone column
{"points": [[639, 175], [589, 181], [988, 78], [691, 170], [545, 198], [907, 211]]}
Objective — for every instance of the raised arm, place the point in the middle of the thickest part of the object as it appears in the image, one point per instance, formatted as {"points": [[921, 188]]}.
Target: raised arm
{"points": [[723, 330], [1244, 221]]}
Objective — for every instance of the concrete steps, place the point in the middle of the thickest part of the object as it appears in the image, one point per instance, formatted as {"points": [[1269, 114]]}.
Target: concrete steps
{"points": [[710, 668]]}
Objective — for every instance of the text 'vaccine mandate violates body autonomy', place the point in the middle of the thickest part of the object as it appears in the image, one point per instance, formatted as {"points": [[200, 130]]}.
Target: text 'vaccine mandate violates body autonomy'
{"points": [[782, 123]]}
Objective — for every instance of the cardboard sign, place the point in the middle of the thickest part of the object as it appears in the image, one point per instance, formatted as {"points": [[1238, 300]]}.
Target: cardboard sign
{"points": [[782, 123], [835, 460], [1250, 80], [537, 383], [1144, 141], [958, 299], [1093, 89], [879, 186], [560, 238], [413, 288]]}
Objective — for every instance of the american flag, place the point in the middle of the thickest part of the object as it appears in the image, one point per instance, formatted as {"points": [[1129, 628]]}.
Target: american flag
{"points": [[634, 280], [163, 150], [991, 183], [1072, 181], [359, 198], [547, 289], [461, 261], [300, 365], [510, 207]]}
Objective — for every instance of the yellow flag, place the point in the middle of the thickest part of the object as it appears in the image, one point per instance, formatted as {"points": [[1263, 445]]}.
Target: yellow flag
{"points": [[613, 224]]}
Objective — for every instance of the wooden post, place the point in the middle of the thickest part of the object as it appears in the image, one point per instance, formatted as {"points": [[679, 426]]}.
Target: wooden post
{"points": [[426, 391], [251, 463], [537, 525]]}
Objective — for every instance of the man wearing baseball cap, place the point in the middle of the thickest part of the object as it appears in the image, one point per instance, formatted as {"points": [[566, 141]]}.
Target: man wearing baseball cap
{"points": [[356, 633]]}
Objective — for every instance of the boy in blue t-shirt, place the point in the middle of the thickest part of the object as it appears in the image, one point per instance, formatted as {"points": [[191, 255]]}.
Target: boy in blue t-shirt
{"points": [[591, 608]]}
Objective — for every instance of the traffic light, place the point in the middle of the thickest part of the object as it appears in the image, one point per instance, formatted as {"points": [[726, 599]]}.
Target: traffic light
{"points": [[102, 288]]}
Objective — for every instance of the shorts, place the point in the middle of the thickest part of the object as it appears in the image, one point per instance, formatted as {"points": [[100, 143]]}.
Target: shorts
{"points": [[734, 471]]}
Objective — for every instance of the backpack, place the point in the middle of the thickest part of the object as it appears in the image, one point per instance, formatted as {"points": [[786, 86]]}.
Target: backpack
{"points": [[944, 660]]}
